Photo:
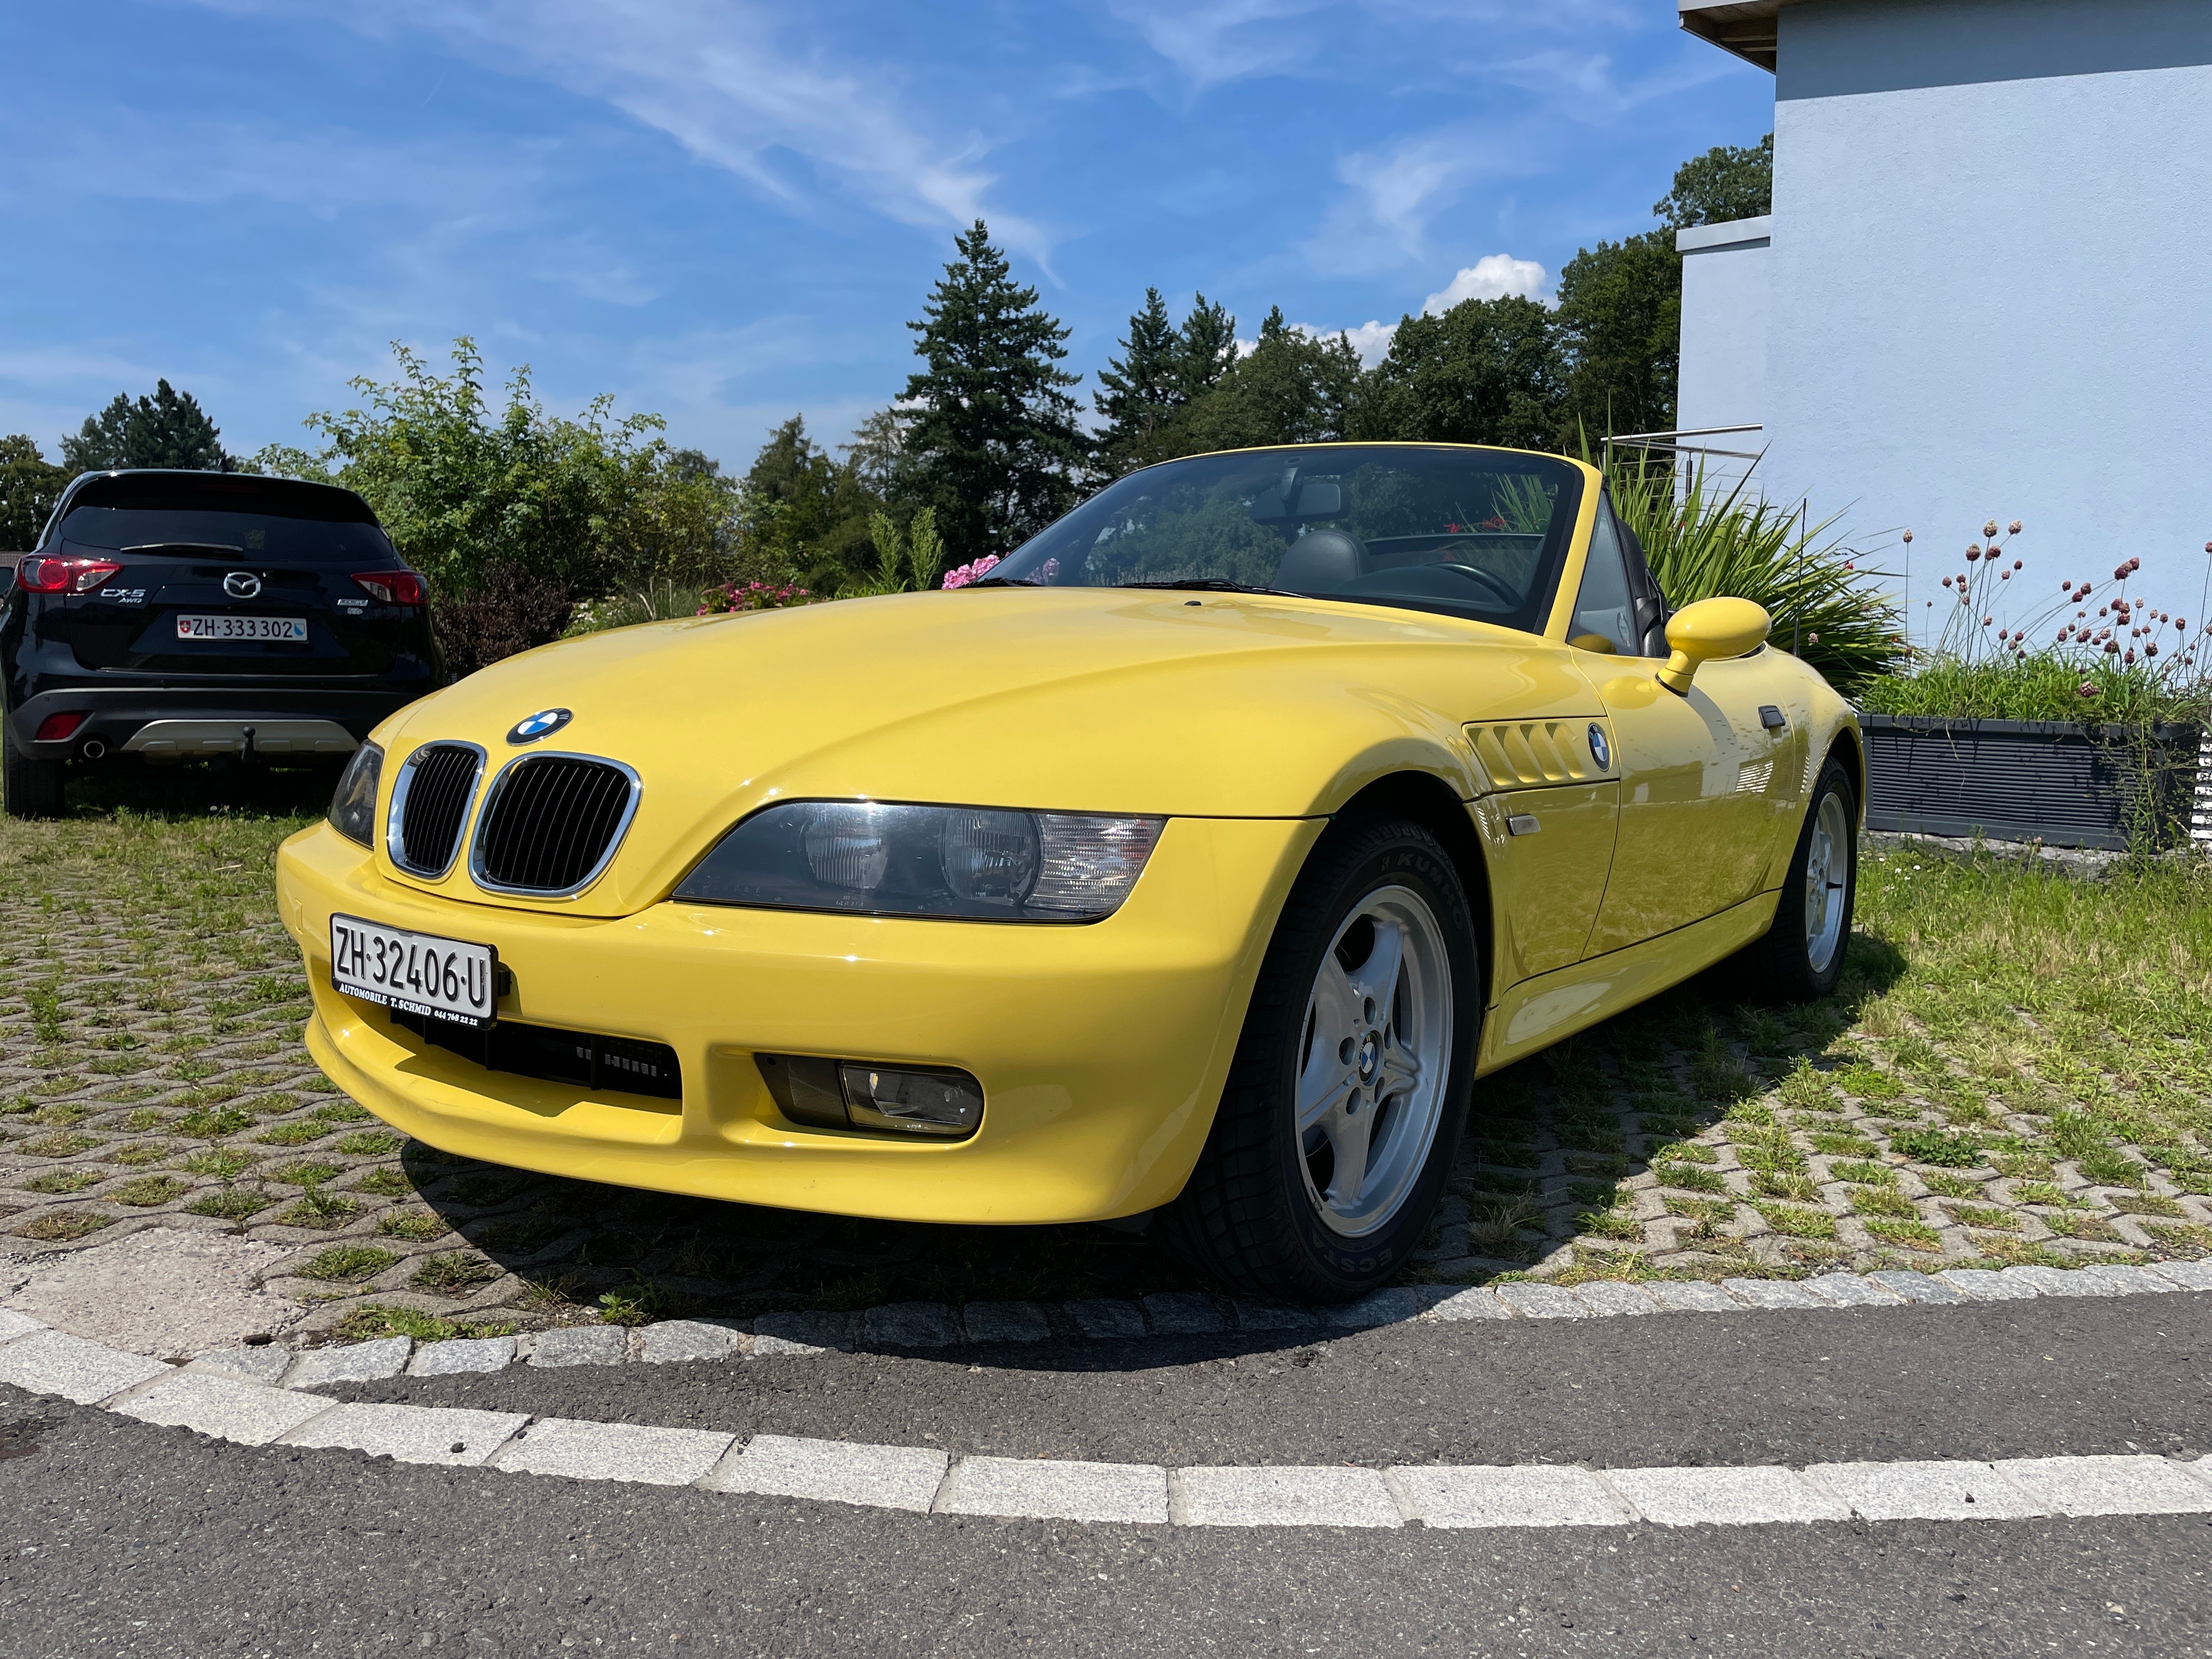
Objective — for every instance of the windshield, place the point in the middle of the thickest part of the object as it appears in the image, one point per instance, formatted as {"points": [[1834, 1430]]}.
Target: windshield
{"points": [[1479, 533]]}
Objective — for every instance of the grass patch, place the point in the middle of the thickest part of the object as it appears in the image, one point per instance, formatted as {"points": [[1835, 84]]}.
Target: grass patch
{"points": [[61, 1226], [453, 1273], [369, 1323], [1835, 1144], [309, 1174], [343, 1111], [1883, 1200], [148, 1152], [1951, 1186], [56, 1182], [1906, 1234], [298, 1134], [1797, 1222], [351, 1263], [232, 1203], [386, 1182], [1865, 1174], [224, 1163], [1983, 1215], [212, 1125], [420, 1225], [316, 1209], [1869, 1083], [58, 1146], [1607, 1224], [147, 1191], [1957, 1151], [2074, 1225], [374, 1144], [1689, 1178]]}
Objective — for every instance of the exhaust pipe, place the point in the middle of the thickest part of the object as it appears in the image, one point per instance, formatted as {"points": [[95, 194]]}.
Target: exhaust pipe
{"points": [[93, 748]]}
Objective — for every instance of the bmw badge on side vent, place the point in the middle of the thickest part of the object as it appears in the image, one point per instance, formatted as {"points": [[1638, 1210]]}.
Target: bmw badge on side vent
{"points": [[530, 728], [1600, 750]]}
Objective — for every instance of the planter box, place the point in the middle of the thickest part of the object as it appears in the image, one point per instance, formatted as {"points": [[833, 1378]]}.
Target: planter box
{"points": [[2066, 786]]}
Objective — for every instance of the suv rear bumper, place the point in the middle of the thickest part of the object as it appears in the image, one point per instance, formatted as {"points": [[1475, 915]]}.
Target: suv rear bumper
{"points": [[218, 718]]}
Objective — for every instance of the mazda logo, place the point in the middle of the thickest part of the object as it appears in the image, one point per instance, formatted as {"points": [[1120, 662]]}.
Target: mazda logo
{"points": [[241, 584]]}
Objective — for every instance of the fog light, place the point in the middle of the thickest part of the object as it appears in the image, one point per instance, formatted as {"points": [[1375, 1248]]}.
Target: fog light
{"points": [[937, 1100], [924, 1103]]}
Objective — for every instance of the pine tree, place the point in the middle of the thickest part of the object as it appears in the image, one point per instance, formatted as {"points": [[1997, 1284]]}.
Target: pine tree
{"points": [[168, 429], [994, 446], [1142, 388], [1206, 351], [103, 441]]}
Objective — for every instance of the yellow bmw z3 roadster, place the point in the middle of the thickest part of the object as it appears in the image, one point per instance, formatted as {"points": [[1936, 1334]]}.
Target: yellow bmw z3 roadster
{"points": [[1200, 859]]}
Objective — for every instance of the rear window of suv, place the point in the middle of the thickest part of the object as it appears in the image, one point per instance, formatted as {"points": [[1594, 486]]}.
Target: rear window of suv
{"points": [[272, 518]]}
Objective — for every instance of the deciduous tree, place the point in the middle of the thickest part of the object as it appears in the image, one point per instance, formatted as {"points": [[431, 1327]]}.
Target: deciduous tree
{"points": [[1485, 372]]}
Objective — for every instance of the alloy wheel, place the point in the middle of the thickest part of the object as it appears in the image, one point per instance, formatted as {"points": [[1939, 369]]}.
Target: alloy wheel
{"points": [[1374, 1058]]}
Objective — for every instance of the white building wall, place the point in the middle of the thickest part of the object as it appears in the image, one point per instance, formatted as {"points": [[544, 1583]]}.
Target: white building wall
{"points": [[1725, 283], [1992, 280]]}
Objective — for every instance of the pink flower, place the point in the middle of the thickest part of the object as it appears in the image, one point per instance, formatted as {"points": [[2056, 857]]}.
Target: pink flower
{"points": [[974, 570]]}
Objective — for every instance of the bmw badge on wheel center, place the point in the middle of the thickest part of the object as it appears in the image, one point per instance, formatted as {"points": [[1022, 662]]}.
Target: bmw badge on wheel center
{"points": [[1202, 861]]}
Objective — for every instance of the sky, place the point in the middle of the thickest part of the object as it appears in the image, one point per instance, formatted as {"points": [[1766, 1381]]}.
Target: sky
{"points": [[726, 213]]}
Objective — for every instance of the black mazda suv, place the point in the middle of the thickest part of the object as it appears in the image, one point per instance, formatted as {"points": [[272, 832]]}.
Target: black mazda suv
{"points": [[169, 615]]}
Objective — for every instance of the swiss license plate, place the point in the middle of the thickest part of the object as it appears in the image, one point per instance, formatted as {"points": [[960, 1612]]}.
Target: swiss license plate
{"points": [[242, 627], [419, 973]]}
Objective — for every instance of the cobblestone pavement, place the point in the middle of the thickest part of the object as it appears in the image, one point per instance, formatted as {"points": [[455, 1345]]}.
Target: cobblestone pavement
{"points": [[151, 1070]]}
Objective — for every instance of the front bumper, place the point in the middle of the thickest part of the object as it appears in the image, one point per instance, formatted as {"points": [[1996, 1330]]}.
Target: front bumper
{"points": [[1101, 1049]]}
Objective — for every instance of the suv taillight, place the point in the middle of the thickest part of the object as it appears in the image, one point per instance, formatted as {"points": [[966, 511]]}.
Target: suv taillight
{"points": [[393, 587], [37, 575]]}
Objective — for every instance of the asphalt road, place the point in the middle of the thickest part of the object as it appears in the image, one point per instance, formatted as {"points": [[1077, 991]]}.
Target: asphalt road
{"points": [[119, 1538]]}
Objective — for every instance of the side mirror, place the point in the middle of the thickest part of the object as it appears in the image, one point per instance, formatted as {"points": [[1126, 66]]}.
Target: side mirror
{"points": [[1708, 631]]}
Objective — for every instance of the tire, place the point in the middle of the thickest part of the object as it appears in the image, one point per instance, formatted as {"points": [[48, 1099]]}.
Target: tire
{"points": [[28, 788], [1800, 959], [1267, 1211]]}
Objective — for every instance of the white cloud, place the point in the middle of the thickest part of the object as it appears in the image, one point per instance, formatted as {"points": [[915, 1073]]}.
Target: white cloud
{"points": [[1493, 277], [1217, 42], [711, 75], [1371, 340]]}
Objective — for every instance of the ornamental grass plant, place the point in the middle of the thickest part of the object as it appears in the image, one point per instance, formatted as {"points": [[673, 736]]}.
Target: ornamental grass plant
{"points": [[1702, 544]]}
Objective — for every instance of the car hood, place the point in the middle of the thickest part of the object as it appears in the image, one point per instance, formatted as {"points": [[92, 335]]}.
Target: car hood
{"points": [[1072, 700]]}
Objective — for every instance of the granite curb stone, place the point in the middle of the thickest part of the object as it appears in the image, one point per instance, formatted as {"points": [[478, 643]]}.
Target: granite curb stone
{"points": [[579, 1344], [356, 1362], [833, 1471], [1050, 1489]]}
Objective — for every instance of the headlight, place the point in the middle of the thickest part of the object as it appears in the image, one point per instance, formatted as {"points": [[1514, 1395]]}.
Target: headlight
{"points": [[957, 861], [353, 809]]}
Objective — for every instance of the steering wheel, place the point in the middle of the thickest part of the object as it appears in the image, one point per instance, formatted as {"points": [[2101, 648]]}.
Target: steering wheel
{"points": [[1512, 599]]}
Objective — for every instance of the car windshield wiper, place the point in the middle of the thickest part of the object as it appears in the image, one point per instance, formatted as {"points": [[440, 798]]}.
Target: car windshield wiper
{"points": [[1006, 581], [1212, 585]]}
